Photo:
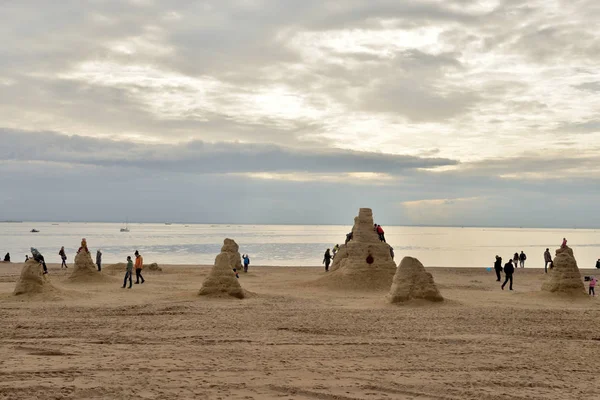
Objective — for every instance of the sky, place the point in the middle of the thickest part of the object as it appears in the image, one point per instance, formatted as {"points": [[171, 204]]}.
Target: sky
{"points": [[430, 112]]}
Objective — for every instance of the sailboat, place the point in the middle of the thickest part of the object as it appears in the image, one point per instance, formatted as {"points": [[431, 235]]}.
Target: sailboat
{"points": [[126, 229]]}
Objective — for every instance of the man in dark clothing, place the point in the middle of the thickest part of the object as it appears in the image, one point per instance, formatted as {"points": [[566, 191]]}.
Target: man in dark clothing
{"points": [[509, 269], [547, 260], [498, 268], [7, 257], [598, 264], [39, 258], [348, 238], [327, 260], [99, 260], [522, 258]]}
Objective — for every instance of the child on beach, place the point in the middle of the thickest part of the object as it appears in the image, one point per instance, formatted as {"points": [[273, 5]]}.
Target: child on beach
{"points": [[128, 273], [593, 281]]}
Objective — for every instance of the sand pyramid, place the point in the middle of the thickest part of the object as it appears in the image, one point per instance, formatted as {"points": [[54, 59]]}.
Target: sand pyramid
{"points": [[221, 280], [32, 280], [413, 282], [84, 269], [364, 262], [565, 276]]}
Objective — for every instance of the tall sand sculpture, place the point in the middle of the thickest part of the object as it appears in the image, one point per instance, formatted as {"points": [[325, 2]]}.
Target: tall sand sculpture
{"points": [[221, 281], [32, 280], [411, 281], [364, 262], [84, 269], [565, 276]]}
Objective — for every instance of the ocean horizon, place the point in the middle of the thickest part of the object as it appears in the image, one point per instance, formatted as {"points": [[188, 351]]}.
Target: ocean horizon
{"points": [[291, 245]]}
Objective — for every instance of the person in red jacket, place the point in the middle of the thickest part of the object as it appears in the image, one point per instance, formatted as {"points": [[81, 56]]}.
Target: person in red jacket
{"points": [[381, 233]]}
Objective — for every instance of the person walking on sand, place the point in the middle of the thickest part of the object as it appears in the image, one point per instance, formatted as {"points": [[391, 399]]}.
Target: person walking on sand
{"points": [[99, 260], [139, 264], [37, 256], [508, 273], [498, 268], [327, 260], [522, 258], [63, 257], [128, 273], [516, 260], [381, 233], [246, 259], [564, 243], [547, 260], [593, 281]]}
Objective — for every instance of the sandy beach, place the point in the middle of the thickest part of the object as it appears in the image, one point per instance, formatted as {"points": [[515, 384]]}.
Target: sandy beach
{"points": [[292, 339]]}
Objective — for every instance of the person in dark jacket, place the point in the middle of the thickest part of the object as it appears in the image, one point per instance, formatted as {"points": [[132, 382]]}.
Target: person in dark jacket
{"points": [[99, 260], [509, 269], [37, 256], [547, 260], [63, 257], [598, 264], [7, 257], [522, 258], [327, 260], [498, 268], [348, 237], [246, 260]]}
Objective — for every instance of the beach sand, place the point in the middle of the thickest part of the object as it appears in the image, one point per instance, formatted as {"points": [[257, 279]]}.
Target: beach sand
{"points": [[293, 340]]}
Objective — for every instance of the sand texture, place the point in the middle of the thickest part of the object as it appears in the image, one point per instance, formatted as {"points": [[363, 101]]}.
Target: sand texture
{"points": [[364, 263], [160, 340], [222, 280], [565, 276], [413, 282]]}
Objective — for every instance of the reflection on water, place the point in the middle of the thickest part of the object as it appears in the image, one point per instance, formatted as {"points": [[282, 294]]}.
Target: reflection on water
{"points": [[291, 244]]}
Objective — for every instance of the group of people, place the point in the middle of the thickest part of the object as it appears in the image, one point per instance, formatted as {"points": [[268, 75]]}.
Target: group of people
{"points": [[63, 255], [139, 265]]}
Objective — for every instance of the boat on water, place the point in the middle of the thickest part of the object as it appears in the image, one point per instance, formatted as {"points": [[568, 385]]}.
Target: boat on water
{"points": [[34, 231], [126, 229]]}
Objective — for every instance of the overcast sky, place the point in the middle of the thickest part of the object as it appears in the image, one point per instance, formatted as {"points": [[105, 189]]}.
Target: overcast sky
{"points": [[437, 112]]}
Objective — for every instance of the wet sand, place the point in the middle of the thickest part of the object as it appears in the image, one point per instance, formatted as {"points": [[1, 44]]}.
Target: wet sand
{"points": [[291, 340]]}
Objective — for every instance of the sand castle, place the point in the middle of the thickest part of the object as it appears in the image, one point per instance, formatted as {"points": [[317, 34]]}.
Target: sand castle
{"points": [[565, 276], [411, 281], [222, 280], [84, 268], [364, 262], [32, 280]]}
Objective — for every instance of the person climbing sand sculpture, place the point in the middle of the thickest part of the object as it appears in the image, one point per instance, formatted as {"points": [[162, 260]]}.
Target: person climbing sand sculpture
{"points": [[37, 256], [327, 260], [381, 233], [63, 257], [128, 273], [508, 272], [83, 246], [564, 243], [498, 268], [139, 264], [547, 260]]}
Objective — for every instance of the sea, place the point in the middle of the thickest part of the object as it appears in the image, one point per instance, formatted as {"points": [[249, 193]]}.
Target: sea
{"points": [[291, 245]]}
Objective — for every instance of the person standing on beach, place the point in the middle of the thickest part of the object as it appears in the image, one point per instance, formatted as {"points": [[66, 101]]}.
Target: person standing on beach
{"points": [[37, 256], [547, 260], [498, 268], [99, 260], [246, 259], [63, 257], [516, 260], [139, 264], [522, 258], [327, 260], [128, 273], [593, 281], [598, 264], [7, 257], [508, 272], [564, 243]]}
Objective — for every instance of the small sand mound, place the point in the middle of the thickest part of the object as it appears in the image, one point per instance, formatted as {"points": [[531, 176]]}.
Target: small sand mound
{"points": [[364, 263], [221, 280], [153, 267], [411, 281], [32, 280], [84, 269], [565, 276]]}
